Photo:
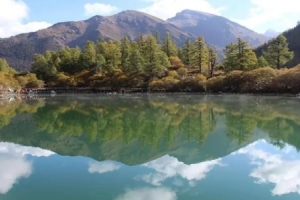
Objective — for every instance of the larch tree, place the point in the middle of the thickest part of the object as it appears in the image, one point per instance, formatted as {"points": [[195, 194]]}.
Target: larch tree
{"points": [[278, 53], [136, 60], [239, 56], [186, 52], [156, 60], [212, 60], [125, 54], [169, 46], [262, 62], [157, 37], [112, 56], [200, 54]]}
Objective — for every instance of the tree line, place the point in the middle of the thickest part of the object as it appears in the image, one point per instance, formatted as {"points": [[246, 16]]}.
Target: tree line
{"points": [[151, 62]]}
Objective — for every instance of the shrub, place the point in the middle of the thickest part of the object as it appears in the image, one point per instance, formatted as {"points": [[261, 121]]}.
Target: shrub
{"points": [[215, 84], [259, 80], [173, 74], [288, 81], [182, 72], [176, 63], [232, 81], [193, 83]]}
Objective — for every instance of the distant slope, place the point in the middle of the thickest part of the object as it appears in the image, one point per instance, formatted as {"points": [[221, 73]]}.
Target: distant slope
{"points": [[270, 33], [18, 50], [217, 31]]}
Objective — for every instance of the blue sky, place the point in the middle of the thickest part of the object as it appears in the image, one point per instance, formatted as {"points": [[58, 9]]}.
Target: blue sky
{"points": [[18, 16]]}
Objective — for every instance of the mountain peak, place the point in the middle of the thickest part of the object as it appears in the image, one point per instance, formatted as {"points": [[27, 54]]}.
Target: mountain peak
{"points": [[96, 18], [131, 12], [188, 17], [217, 30], [271, 33], [195, 12]]}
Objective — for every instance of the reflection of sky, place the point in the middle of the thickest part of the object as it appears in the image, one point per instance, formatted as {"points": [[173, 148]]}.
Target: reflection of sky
{"points": [[103, 167], [279, 167], [164, 178], [148, 194], [11, 170], [169, 167], [13, 164]]}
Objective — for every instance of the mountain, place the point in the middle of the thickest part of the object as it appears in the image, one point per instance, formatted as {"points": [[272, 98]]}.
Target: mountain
{"points": [[217, 31], [270, 33], [19, 50]]}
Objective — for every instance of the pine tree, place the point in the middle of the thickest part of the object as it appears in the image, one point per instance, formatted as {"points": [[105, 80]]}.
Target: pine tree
{"points": [[169, 46], [239, 56], [125, 54], [157, 37], [186, 52], [89, 55], [278, 53], [137, 62], [112, 56], [200, 54], [262, 62], [100, 63], [141, 42], [156, 61], [212, 60]]}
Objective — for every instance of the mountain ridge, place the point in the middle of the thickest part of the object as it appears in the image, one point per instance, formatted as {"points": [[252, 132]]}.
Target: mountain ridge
{"points": [[209, 26]]}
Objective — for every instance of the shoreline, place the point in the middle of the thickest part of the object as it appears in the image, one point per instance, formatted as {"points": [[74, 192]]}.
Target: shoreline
{"points": [[50, 91]]}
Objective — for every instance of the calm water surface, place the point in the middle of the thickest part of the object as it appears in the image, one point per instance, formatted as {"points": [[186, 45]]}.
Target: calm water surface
{"points": [[150, 148]]}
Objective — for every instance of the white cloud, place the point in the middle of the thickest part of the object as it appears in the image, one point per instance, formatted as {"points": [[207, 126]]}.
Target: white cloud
{"points": [[165, 9], [13, 164], [263, 12], [169, 167], [11, 170], [273, 168], [12, 15], [103, 167], [148, 194], [20, 151], [99, 9]]}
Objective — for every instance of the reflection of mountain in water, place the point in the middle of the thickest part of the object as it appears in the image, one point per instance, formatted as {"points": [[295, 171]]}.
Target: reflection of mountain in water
{"points": [[137, 130]]}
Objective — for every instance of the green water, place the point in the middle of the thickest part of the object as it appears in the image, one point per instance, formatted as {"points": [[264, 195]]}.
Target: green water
{"points": [[158, 147]]}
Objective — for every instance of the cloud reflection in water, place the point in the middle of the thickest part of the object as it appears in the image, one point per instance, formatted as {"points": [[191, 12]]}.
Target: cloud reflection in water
{"points": [[275, 168], [103, 167], [169, 167], [148, 194], [13, 164]]}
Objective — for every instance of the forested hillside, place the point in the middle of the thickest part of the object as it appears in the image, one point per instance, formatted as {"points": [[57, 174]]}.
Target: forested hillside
{"points": [[293, 39]]}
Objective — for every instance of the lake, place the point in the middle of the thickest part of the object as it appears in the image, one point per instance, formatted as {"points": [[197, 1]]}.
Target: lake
{"points": [[150, 147]]}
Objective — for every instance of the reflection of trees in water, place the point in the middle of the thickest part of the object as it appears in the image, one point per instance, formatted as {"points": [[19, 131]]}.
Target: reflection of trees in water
{"points": [[155, 121], [9, 109], [147, 122], [279, 130], [240, 127]]}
